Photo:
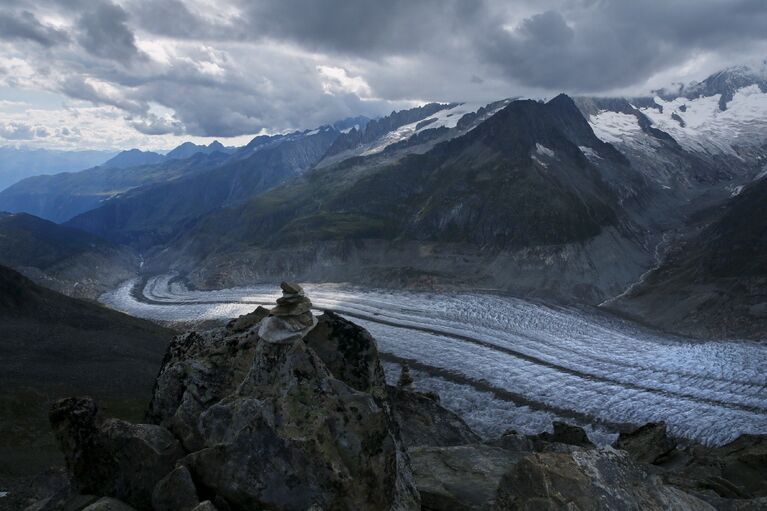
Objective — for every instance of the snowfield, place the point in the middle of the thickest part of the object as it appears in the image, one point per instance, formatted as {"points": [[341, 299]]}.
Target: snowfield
{"points": [[507, 363], [698, 125]]}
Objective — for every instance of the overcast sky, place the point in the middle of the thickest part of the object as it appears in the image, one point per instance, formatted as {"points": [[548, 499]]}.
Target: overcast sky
{"points": [[151, 73]]}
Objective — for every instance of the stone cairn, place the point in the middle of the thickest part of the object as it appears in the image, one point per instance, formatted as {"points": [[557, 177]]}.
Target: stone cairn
{"points": [[291, 319], [405, 380]]}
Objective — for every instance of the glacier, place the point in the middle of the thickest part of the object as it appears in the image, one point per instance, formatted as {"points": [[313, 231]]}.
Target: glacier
{"points": [[503, 362]]}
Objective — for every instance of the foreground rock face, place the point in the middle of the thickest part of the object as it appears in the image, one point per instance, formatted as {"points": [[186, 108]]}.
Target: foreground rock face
{"points": [[463, 477], [733, 471], [110, 456], [648, 444], [296, 415], [262, 422], [422, 421], [588, 480]]}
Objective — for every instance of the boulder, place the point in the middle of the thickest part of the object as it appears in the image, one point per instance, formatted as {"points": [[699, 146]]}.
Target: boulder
{"points": [[269, 425], [513, 441], [735, 470], [349, 352], [422, 421], [293, 436], [588, 480], [648, 444], [175, 492], [459, 478], [563, 433], [112, 457], [198, 371], [247, 321]]}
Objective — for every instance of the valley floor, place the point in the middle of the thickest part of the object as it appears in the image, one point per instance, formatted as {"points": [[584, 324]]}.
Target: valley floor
{"points": [[507, 363]]}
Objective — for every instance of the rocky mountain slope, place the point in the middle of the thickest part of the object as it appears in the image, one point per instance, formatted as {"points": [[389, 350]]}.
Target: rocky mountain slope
{"points": [[283, 410], [715, 282], [52, 346], [62, 196], [707, 138], [516, 191], [538, 199], [133, 158], [68, 260], [148, 215]]}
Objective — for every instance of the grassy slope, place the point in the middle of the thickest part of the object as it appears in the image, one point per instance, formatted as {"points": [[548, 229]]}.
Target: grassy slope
{"points": [[715, 283], [52, 346]]}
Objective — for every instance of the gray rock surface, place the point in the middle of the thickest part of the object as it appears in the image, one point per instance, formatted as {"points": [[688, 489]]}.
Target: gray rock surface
{"points": [[247, 321], [513, 441], [733, 471], [268, 424], [563, 433], [112, 457], [422, 421], [648, 443], [589, 480], [175, 492], [293, 436], [460, 478], [198, 371], [349, 352]]}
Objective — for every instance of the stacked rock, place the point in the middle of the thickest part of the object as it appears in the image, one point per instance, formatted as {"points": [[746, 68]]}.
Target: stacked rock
{"points": [[291, 319]]}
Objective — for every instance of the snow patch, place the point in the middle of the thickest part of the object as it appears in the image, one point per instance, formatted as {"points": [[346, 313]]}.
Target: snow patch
{"points": [[589, 153], [544, 151], [735, 190], [447, 118], [708, 129], [614, 127]]}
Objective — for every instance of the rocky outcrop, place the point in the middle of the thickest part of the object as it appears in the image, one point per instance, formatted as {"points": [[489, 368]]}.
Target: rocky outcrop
{"points": [[198, 371], [459, 478], [588, 480], [261, 419], [561, 438], [733, 471], [175, 492], [349, 352], [282, 410], [648, 443], [112, 457], [246, 321], [422, 421]]}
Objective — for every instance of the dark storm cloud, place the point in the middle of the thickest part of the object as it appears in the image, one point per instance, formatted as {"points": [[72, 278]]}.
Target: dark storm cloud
{"points": [[230, 67], [608, 44], [362, 27], [173, 18], [104, 32], [25, 26]]}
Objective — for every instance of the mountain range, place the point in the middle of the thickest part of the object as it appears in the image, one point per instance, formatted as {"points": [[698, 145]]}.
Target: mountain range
{"points": [[17, 163], [623, 202]]}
